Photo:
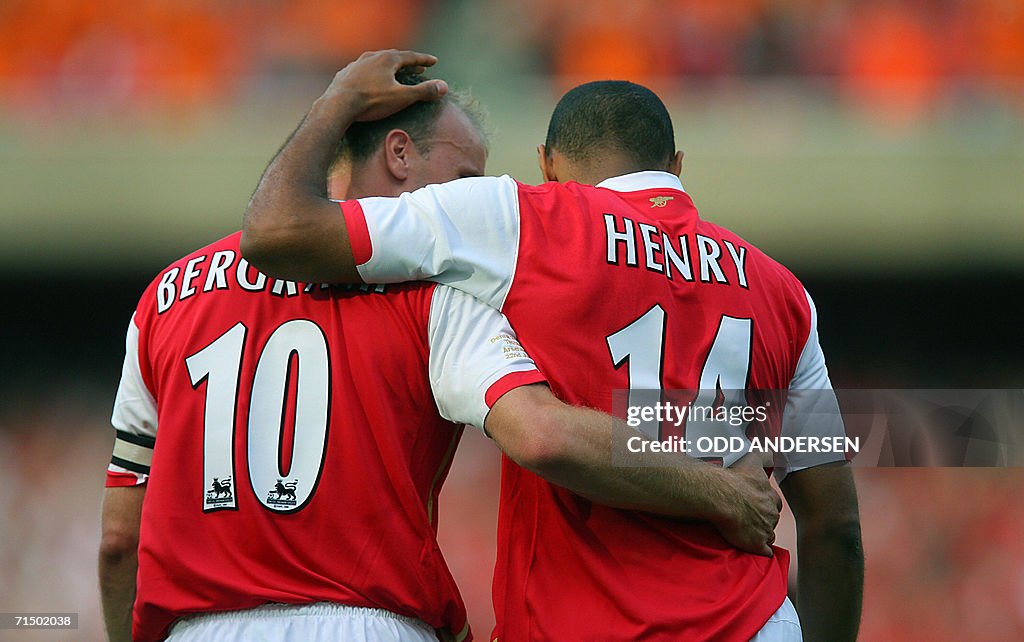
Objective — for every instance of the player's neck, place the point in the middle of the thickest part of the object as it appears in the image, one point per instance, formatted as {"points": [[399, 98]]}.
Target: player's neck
{"points": [[364, 184], [338, 185], [593, 172]]}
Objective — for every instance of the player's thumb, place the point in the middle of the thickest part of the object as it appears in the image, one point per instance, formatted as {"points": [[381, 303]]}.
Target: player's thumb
{"points": [[429, 90]]}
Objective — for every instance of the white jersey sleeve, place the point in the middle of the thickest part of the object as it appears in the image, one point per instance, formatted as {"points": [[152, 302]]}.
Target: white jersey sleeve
{"points": [[475, 357], [464, 233], [134, 419], [811, 406]]}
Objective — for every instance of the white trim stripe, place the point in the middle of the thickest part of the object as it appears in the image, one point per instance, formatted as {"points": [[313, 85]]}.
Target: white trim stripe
{"points": [[638, 181], [134, 453]]}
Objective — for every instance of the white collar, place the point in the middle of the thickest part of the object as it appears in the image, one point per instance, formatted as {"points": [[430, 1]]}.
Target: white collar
{"points": [[642, 180]]}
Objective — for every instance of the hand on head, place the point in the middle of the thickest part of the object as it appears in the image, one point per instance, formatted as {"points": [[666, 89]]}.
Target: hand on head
{"points": [[369, 82]]}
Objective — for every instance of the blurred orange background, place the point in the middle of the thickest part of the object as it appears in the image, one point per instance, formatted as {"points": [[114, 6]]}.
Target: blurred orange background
{"points": [[889, 135]]}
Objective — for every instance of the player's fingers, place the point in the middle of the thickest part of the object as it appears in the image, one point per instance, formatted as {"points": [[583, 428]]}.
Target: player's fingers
{"points": [[413, 59]]}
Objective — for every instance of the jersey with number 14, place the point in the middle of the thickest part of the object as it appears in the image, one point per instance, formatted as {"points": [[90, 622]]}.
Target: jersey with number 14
{"points": [[290, 441], [619, 286]]}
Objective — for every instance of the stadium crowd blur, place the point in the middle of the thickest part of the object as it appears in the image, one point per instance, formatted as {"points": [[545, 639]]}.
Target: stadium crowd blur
{"points": [[947, 569], [907, 53]]}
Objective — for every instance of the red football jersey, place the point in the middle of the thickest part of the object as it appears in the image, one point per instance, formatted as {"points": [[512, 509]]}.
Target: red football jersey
{"points": [[614, 287], [290, 441]]}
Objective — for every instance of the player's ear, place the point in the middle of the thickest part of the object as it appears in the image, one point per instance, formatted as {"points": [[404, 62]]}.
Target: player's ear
{"points": [[547, 170], [397, 149], [676, 166]]}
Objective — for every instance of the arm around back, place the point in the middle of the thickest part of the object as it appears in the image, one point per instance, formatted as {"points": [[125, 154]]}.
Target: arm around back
{"points": [[572, 447]]}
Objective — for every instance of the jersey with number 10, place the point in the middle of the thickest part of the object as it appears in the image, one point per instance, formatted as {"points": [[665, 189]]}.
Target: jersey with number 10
{"points": [[290, 442], [614, 287]]}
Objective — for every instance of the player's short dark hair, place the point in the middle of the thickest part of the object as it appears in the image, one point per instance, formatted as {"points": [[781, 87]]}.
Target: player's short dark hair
{"points": [[418, 120], [612, 116]]}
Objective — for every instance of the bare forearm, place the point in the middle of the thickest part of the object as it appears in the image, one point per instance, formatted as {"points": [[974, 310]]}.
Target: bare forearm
{"points": [[300, 167], [117, 590], [286, 228], [572, 447], [830, 585], [667, 484], [307, 155], [830, 558], [119, 558]]}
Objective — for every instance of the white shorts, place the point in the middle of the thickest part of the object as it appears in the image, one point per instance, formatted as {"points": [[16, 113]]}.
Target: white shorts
{"points": [[302, 623], [783, 626]]}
